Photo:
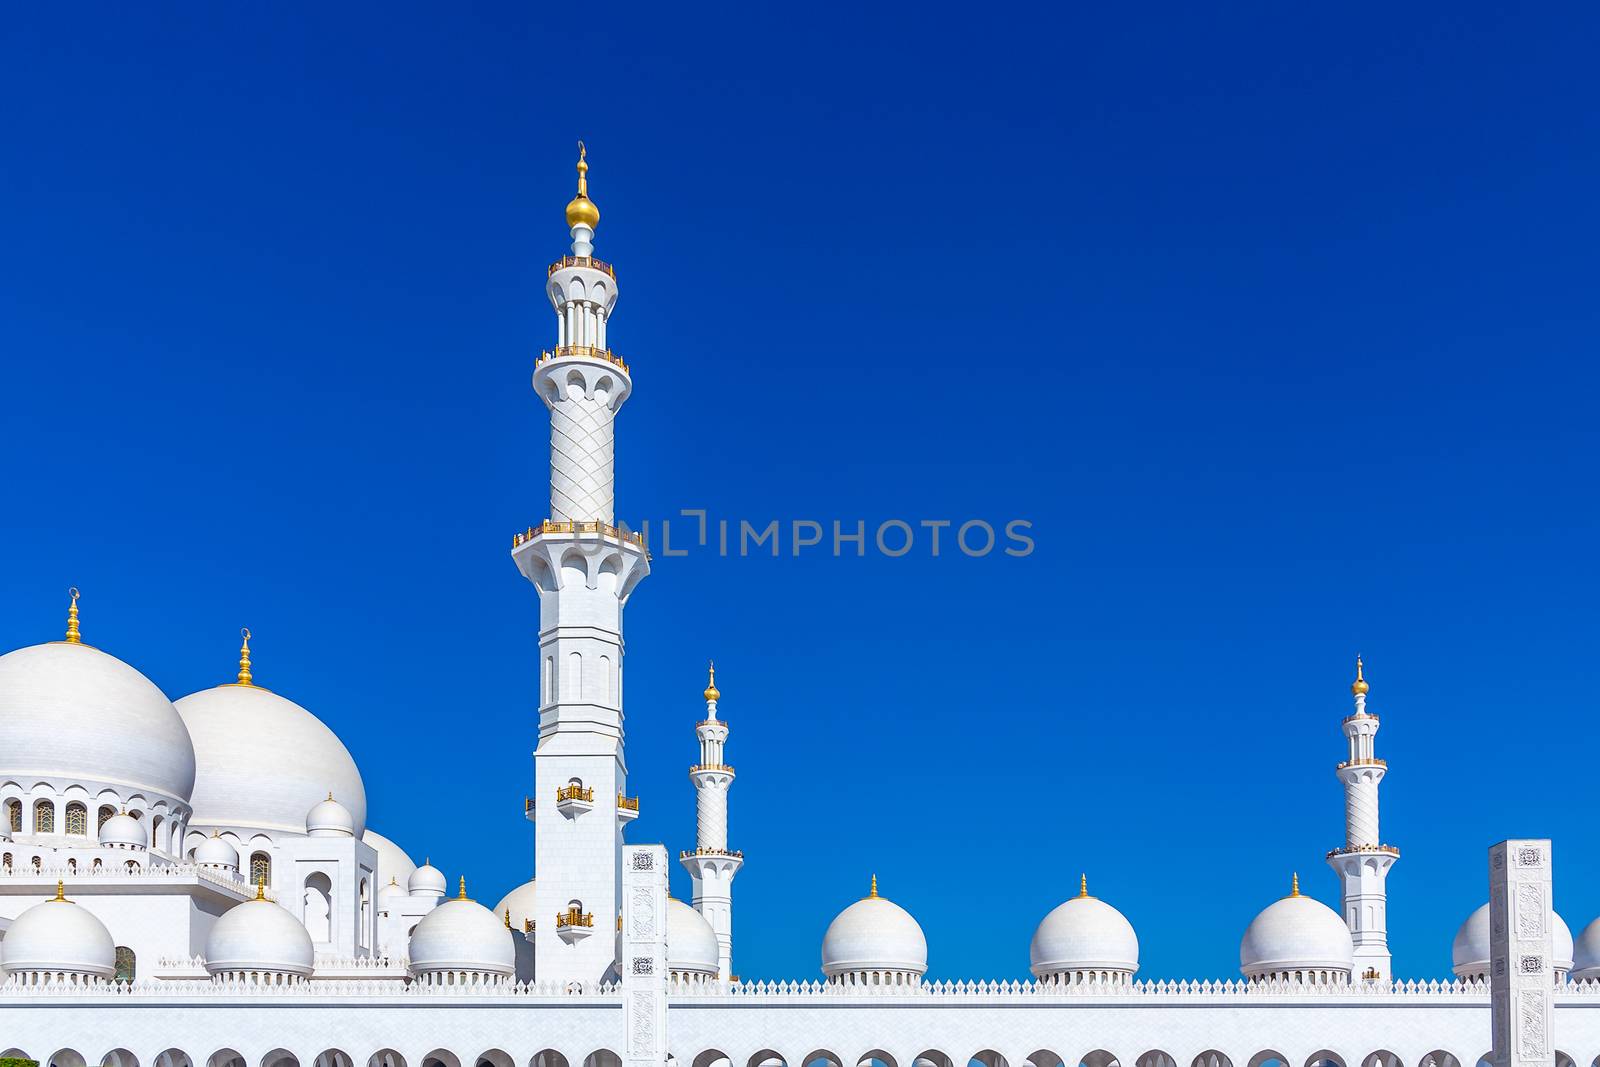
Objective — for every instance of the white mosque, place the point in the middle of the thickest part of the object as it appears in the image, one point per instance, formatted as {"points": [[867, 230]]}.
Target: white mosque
{"points": [[194, 883]]}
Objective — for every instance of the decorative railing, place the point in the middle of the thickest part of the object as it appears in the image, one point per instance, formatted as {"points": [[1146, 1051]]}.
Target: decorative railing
{"points": [[627, 803], [1354, 850], [1363, 763], [713, 767], [550, 526], [587, 351], [574, 792], [582, 261], [686, 853], [117, 872], [574, 917]]}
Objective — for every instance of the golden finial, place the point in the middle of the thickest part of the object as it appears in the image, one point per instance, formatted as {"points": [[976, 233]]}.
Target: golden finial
{"points": [[463, 893], [508, 918], [1294, 885], [872, 894], [330, 794], [581, 210], [712, 693], [394, 881], [1359, 686], [244, 657], [261, 888], [61, 891], [73, 637], [1083, 885]]}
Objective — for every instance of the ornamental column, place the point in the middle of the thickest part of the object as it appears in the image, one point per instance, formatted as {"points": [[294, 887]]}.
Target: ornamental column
{"points": [[584, 569], [1364, 861], [712, 866]]}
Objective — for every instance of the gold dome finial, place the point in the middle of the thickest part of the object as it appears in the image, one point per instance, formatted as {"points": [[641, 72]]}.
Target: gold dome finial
{"points": [[244, 657], [73, 637], [61, 891], [463, 894], [261, 888], [1294, 884], [872, 894], [508, 918], [1359, 686], [1083, 885], [713, 694], [581, 210]]}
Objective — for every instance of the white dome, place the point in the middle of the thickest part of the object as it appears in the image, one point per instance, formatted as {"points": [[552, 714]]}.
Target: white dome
{"points": [[58, 936], [392, 859], [329, 818], [521, 904], [71, 711], [1296, 934], [258, 935], [390, 893], [123, 831], [462, 935], [427, 880], [1469, 952], [264, 761], [691, 943], [1084, 934], [1586, 954], [874, 934], [216, 852]]}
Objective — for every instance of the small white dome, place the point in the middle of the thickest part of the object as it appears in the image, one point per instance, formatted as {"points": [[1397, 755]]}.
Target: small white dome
{"points": [[427, 881], [390, 893], [874, 934], [521, 905], [392, 859], [216, 852], [1084, 934], [263, 761], [58, 936], [123, 831], [1469, 952], [329, 818], [462, 935], [259, 936], [70, 711], [1296, 934], [1586, 953], [692, 946]]}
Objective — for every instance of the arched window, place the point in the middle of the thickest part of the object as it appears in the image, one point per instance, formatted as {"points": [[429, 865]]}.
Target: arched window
{"points": [[106, 811], [132, 865], [260, 868], [96, 865], [36, 863], [127, 965], [72, 865], [77, 819], [44, 817], [14, 815], [7, 861], [155, 830]]}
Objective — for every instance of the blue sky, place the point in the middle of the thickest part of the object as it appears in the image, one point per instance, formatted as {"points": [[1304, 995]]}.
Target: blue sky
{"points": [[1278, 325]]}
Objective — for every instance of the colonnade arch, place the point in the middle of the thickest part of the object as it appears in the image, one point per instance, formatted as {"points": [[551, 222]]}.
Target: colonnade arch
{"points": [[441, 1057], [546, 1058], [1157, 1058], [119, 1057], [1382, 1058], [495, 1058], [386, 1057], [1269, 1058], [280, 1057], [333, 1058], [65, 1058], [173, 1057], [1099, 1058], [225, 1057]]}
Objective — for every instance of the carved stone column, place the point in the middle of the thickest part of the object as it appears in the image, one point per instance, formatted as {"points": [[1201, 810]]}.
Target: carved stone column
{"points": [[1521, 970]]}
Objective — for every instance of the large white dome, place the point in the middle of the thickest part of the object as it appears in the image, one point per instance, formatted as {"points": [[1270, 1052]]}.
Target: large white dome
{"points": [[691, 943], [259, 935], [1586, 954], [58, 936], [462, 935], [1084, 934], [1469, 952], [393, 863], [264, 761], [1296, 934], [874, 934], [520, 904], [70, 711]]}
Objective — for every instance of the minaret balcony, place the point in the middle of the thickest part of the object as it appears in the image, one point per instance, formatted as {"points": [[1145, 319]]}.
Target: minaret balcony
{"points": [[627, 808], [1365, 850], [528, 809], [550, 526], [1363, 763], [574, 800], [582, 352], [582, 261], [573, 925]]}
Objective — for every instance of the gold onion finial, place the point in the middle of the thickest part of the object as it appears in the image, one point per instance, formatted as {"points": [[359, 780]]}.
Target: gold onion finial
{"points": [[244, 657], [1083, 885], [580, 209], [713, 694], [73, 637], [463, 893], [508, 918], [1359, 686], [61, 891], [261, 888], [1294, 884], [872, 894]]}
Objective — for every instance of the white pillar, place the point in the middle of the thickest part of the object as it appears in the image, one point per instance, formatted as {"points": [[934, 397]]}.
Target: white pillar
{"points": [[644, 955], [1521, 967]]}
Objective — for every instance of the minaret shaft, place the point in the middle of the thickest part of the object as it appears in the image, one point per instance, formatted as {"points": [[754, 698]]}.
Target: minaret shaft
{"points": [[1363, 863], [712, 866]]}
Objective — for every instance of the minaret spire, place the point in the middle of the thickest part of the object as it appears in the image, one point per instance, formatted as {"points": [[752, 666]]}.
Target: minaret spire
{"points": [[73, 636], [712, 865], [1363, 863], [244, 661], [582, 214]]}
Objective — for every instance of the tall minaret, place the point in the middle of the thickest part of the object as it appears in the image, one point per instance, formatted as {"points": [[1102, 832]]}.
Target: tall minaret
{"points": [[1364, 861], [584, 568], [711, 865]]}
